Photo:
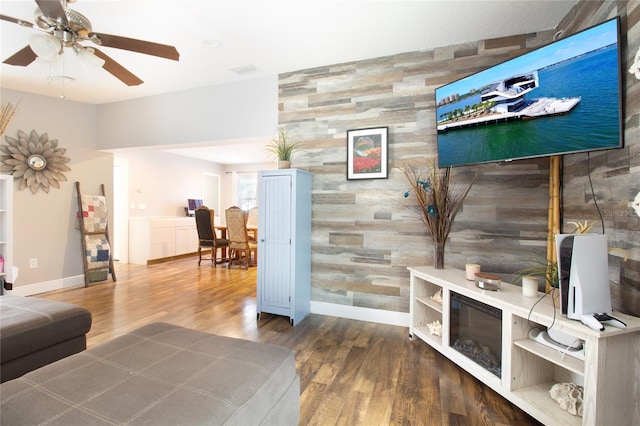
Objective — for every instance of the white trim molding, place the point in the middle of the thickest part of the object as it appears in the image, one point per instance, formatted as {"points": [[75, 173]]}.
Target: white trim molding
{"points": [[45, 286], [363, 314]]}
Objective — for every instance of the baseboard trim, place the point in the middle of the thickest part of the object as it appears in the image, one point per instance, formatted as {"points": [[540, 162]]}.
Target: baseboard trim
{"points": [[322, 308], [362, 314], [45, 286]]}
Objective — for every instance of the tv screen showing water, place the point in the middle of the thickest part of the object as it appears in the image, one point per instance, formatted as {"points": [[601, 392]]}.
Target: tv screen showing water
{"points": [[561, 98]]}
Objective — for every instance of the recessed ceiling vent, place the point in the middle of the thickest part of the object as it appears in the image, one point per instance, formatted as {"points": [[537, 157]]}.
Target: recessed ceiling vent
{"points": [[246, 69]]}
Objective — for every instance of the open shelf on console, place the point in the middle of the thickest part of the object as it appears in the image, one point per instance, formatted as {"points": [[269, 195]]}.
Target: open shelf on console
{"points": [[430, 303], [552, 355], [538, 397], [426, 311], [424, 334]]}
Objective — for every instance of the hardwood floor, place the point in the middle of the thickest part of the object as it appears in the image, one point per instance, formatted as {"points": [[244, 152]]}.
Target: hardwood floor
{"points": [[352, 372]]}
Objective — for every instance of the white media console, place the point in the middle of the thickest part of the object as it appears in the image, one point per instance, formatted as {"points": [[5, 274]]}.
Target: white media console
{"points": [[610, 370]]}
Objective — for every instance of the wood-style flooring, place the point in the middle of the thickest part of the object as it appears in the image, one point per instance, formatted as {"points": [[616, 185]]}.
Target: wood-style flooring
{"points": [[352, 372]]}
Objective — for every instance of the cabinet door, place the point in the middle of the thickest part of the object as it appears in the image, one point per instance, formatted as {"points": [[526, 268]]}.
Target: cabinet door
{"points": [[162, 239], [186, 240], [275, 235]]}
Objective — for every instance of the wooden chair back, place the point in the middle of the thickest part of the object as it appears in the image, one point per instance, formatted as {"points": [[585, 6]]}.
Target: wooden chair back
{"points": [[236, 229], [252, 218], [205, 226], [207, 238], [239, 243]]}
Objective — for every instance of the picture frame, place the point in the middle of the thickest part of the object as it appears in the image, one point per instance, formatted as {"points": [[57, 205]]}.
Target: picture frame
{"points": [[367, 153]]}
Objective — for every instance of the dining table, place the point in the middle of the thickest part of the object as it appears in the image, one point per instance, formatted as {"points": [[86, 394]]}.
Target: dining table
{"points": [[223, 234]]}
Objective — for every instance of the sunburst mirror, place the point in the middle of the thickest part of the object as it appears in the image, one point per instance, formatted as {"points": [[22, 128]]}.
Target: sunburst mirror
{"points": [[36, 159]]}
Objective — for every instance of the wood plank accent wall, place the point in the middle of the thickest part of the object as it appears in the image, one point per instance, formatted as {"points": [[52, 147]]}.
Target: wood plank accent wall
{"points": [[365, 233], [615, 173]]}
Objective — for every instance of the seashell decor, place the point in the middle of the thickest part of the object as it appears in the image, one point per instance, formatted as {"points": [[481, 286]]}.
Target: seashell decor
{"points": [[435, 328], [568, 396], [437, 297]]}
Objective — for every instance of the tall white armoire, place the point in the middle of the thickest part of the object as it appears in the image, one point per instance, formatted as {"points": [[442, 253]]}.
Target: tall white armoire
{"points": [[284, 243]]}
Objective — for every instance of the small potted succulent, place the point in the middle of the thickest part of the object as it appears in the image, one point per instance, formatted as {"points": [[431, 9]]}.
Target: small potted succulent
{"points": [[282, 148]]}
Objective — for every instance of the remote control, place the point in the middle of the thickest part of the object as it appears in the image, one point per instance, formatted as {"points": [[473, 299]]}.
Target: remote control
{"points": [[591, 321], [595, 321], [610, 320]]}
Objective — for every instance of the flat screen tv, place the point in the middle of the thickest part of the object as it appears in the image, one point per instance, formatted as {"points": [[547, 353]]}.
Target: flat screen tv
{"points": [[562, 98]]}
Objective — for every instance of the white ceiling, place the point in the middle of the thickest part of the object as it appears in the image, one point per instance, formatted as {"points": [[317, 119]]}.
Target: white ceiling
{"points": [[270, 36]]}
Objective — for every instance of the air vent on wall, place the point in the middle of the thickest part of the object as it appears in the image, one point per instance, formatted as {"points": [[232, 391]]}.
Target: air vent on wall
{"points": [[245, 69]]}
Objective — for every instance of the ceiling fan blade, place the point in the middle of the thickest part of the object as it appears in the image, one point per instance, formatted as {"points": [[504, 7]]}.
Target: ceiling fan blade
{"points": [[140, 46], [20, 22], [21, 58], [53, 9], [117, 70]]}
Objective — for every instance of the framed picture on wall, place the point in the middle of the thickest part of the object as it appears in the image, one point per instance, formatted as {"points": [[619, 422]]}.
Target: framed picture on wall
{"points": [[367, 153]]}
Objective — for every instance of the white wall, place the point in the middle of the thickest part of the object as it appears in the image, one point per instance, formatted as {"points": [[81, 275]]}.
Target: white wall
{"points": [[44, 223], [241, 110], [160, 183]]}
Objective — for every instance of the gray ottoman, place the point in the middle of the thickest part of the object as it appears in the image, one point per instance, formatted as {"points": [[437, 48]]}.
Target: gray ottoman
{"points": [[36, 332], [160, 374]]}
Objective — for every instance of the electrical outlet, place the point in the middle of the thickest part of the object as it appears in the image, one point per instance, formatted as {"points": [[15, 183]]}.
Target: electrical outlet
{"points": [[33, 262]]}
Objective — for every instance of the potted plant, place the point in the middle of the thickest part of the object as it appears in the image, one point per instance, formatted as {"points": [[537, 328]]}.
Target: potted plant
{"points": [[282, 148]]}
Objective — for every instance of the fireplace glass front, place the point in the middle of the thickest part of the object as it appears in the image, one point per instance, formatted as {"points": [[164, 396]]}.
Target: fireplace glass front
{"points": [[476, 332]]}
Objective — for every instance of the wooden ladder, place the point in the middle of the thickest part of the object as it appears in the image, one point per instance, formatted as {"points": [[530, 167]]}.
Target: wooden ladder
{"points": [[86, 235]]}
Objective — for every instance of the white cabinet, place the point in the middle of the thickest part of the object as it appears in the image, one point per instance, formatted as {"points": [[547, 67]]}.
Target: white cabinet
{"points": [[186, 236], [284, 245], [161, 238], [6, 228], [609, 371]]}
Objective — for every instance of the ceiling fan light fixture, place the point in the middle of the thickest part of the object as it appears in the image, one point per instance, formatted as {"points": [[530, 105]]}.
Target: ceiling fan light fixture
{"points": [[45, 46], [89, 60], [49, 63]]}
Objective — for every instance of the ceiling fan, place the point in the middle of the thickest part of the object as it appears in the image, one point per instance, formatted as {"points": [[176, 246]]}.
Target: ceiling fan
{"points": [[64, 27]]}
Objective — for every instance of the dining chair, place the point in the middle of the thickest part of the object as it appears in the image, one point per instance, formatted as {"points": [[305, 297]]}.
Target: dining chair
{"points": [[239, 244], [252, 224], [207, 238]]}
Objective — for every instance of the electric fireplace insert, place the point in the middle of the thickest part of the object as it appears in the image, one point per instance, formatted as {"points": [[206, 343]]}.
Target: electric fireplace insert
{"points": [[476, 332]]}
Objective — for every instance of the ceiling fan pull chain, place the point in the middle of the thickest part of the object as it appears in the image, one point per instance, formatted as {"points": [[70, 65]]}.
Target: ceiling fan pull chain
{"points": [[63, 78]]}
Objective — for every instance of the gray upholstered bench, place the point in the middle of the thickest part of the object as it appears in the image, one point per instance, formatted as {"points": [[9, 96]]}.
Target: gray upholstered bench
{"points": [[160, 374], [36, 332]]}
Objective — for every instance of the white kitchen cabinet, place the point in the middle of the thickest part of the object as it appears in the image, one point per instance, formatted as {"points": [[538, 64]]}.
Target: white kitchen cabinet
{"points": [[159, 238], [284, 245], [186, 236]]}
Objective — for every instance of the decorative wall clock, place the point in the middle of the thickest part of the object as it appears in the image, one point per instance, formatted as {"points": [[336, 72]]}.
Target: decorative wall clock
{"points": [[35, 159]]}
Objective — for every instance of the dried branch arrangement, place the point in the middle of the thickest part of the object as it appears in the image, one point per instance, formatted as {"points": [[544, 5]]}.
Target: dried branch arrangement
{"points": [[439, 198], [7, 111]]}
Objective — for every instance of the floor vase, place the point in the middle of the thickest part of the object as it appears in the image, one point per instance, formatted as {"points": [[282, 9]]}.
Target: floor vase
{"points": [[438, 254]]}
